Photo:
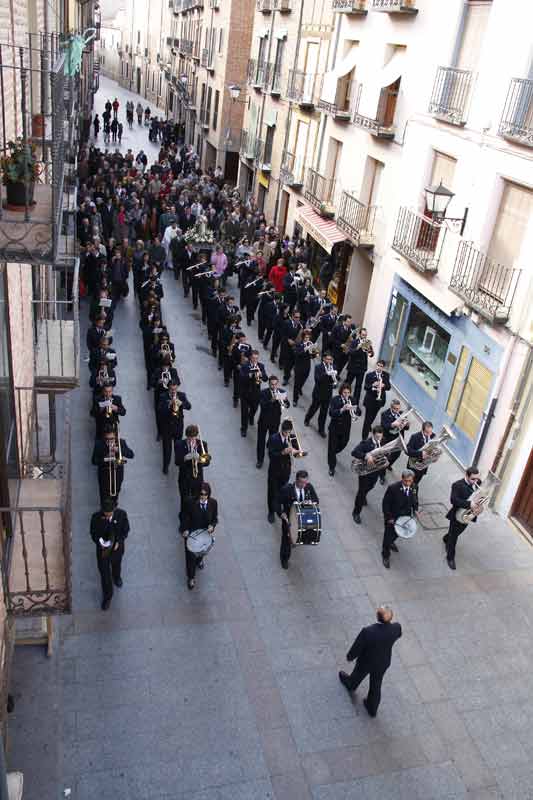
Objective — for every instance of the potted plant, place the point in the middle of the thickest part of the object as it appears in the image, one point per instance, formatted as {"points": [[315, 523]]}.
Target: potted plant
{"points": [[19, 173]]}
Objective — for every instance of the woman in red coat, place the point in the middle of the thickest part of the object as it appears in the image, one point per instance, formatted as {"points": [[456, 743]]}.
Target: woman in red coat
{"points": [[276, 275]]}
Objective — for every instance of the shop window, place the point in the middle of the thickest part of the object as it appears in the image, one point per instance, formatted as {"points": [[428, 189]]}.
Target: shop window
{"points": [[469, 394], [424, 350]]}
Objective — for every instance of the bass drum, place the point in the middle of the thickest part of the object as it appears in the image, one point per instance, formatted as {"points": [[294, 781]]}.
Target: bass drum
{"points": [[305, 523]]}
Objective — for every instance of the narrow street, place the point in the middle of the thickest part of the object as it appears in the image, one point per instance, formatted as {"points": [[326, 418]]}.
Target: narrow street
{"points": [[230, 692]]}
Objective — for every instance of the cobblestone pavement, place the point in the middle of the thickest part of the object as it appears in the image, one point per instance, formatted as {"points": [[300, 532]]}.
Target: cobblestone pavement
{"points": [[230, 692]]}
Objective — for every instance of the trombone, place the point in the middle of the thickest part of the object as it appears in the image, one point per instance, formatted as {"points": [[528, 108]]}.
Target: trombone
{"points": [[294, 441]]}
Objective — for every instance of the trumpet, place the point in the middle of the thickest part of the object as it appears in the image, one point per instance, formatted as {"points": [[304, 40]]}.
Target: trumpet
{"points": [[108, 410], [102, 376], [332, 373], [257, 377], [278, 396], [379, 390], [164, 380], [351, 408], [175, 405]]}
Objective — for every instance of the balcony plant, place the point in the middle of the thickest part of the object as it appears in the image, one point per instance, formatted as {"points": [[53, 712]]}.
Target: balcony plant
{"points": [[20, 170]]}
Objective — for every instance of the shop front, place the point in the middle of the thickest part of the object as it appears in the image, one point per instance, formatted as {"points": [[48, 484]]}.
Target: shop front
{"points": [[442, 364], [327, 243]]}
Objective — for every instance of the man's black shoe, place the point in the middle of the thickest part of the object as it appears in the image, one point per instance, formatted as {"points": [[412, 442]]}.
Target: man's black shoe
{"points": [[191, 584], [200, 564], [295, 403], [106, 604], [323, 434], [451, 563], [271, 517], [344, 679], [332, 473], [165, 470], [235, 403], [382, 480], [226, 383], [370, 714], [356, 518], [306, 423], [357, 412], [394, 548], [285, 564], [386, 562], [259, 464], [243, 433]]}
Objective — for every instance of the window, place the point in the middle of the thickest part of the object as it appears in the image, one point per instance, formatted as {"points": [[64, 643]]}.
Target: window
{"points": [[334, 158], [424, 350], [469, 394], [443, 170], [220, 40], [262, 50], [371, 182], [138, 37], [269, 141], [472, 33], [279, 56], [208, 108], [514, 216], [215, 110]]}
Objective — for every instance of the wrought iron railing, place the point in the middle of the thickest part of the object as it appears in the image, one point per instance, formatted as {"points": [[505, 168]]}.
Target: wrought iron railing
{"points": [[256, 73], [395, 6], [419, 240], [231, 140], [186, 46], [485, 285], [382, 125], [350, 6], [451, 94], [292, 171], [320, 191], [302, 87], [35, 93], [343, 106], [265, 6], [283, 6], [356, 219], [36, 545], [249, 146], [517, 118]]}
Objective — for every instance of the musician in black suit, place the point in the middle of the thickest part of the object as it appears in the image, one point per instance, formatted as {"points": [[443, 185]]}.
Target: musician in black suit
{"points": [[170, 410], [392, 424], [104, 350], [415, 447], [107, 408], [102, 375], [271, 401], [97, 332], [252, 374], [325, 380], [186, 258], [109, 531], [198, 513], [339, 336], [298, 492], [304, 352], [460, 498], [106, 457], [366, 483], [279, 468], [377, 384], [269, 316], [328, 320], [162, 377], [290, 332], [400, 500], [265, 307], [191, 470], [281, 318], [358, 355], [373, 651], [340, 414]]}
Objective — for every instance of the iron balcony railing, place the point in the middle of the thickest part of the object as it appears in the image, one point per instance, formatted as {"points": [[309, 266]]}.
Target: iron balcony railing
{"points": [[451, 95], [283, 6], [302, 87], [36, 93], [256, 73], [215, 4], [485, 285], [517, 118], [37, 525], [419, 240], [204, 117], [186, 46], [356, 219], [265, 6], [231, 140], [273, 79], [248, 147], [382, 125], [356, 7], [395, 6], [320, 192], [292, 170], [343, 107]]}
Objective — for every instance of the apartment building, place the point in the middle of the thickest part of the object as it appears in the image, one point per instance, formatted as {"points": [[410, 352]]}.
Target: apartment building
{"points": [[110, 45], [144, 26], [43, 105], [417, 94]]}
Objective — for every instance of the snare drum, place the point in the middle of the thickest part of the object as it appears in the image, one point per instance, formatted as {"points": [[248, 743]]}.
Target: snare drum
{"points": [[405, 527], [200, 542], [305, 523]]}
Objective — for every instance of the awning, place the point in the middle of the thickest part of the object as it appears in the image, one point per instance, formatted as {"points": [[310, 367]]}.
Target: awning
{"points": [[329, 87], [385, 77], [323, 231]]}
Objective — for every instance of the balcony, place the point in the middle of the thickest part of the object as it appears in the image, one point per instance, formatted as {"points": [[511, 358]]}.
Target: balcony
{"points": [[264, 155], [302, 88], [273, 80], [451, 94], [343, 106], [265, 6], [249, 146], [356, 220], [196, 50], [283, 6], [231, 140], [186, 46], [35, 97], [320, 192], [214, 4], [177, 6], [418, 239], [516, 123], [485, 286], [36, 545], [204, 118], [206, 59], [256, 73], [381, 125], [292, 170], [354, 7], [395, 6]]}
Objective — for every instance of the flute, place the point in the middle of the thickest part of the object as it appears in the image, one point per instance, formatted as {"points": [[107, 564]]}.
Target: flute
{"points": [[194, 266], [252, 283]]}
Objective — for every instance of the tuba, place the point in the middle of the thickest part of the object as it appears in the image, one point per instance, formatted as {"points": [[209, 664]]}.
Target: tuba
{"points": [[433, 450], [379, 457], [479, 500]]}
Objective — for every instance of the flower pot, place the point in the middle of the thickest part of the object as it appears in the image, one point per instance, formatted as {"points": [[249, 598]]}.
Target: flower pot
{"points": [[16, 194]]}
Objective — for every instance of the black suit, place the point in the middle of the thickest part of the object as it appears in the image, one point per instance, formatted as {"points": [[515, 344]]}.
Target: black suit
{"points": [[459, 498], [289, 331], [398, 501], [414, 445], [357, 367], [250, 390], [287, 496], [302, 368], [339, 429], [109, 559], [373, 651], [193, 517], [102, 418], [170, 425], [107, 474], [371, 402], [321, 397], [389, 433], [269, 419], [279, 470], [366, 482], [188, 485]]}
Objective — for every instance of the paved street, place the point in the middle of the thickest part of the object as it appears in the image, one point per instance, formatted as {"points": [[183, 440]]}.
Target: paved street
{"points": [[230, 692]]}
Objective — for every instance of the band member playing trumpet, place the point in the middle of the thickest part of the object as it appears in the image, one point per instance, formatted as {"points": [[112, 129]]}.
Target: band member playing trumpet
{"points": [[104, 350], [400, 500], [198, 512], [340, 335], [366, 482], [393, 423], [377, 384], [109, 455], [240, 355], [290, 332], [414, 448], [341, 413], [102, 375], [271, 401], [107, 408], [359, 352], [162, 377], [252, 375], [460, 498], [170, 410], [109, 531], [97, 331], [279, 468], [304, 352], [325, 381], [298, 492], [190, 456]]}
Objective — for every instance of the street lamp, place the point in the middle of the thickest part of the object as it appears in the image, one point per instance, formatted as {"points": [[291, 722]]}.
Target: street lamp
{"points": [[234, 91], [438, 198]]}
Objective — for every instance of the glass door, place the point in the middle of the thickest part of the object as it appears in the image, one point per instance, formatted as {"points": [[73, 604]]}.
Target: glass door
{"points": [[391, 340]]}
